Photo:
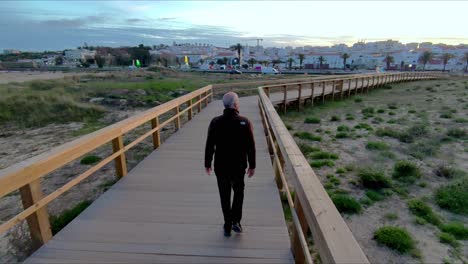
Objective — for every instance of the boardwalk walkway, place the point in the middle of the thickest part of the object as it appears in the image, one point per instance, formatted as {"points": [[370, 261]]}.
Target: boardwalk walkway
{"points": [[167, 210]]}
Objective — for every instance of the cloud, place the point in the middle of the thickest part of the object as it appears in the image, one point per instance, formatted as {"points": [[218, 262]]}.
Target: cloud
{"points": [[73, 22], [135, 20]]}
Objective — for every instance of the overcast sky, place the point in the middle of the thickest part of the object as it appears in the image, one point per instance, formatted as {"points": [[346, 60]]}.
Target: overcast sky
{"points": [[56, 25]]}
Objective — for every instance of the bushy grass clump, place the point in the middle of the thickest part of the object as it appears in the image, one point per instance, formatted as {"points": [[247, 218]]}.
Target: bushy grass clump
{"points": [[368, 111], [447, 171], [60, 221], [456, 229], [387, 132], [323, 155], [312, 120], [392, 106], [340, 170], [374, 195], [457, 133], [373, 179], [342, 135], [335, 118], [414, 132], [307, 136], [391, 216], [358, 99], [321, 163], [364, 126], [381, 111], [377, 145], [396, 238], [346, 204], [343, 128], [420, 209], [454, 196], [449, 239], [91, 159], [307, 149], [406, 171]]}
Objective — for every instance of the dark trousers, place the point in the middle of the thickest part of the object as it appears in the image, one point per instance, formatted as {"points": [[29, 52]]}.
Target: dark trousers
{"points": [[226, 182]]}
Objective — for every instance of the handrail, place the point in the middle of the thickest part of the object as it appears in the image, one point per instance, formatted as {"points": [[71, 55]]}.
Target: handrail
{"points": [[26, 175], [312, 208]]}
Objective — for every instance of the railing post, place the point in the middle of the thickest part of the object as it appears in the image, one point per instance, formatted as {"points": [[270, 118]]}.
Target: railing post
{"points": [[312, 86], [267, 91], [285, 99], [333, 90], [199, 103], [156, 134], [190, 110], [342, 91], [323, 91], [367, 84], [38, 222], [206, 99], [177, 120], [299, 97], [120, 161], [349, 87], [297, 249]]}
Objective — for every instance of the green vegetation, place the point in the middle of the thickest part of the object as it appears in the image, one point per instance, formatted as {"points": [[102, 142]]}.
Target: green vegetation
{"points": [[387, 132], [343, 128], [456, 229], [368, 111], [374, 195], [447, 171], [342, 135], [321, 163], [414, 132], [358, 99], [308, 136], [381, 111], [420, 209], [396, 238], [373, 179], [88, 160], [392, 106], [454, 196], [377, 145], [457, 133], [406, 171], [364, 126], [307, 149], [312, 120], [323, 155], [447, 238], [59, 222], [346, 204], [340, 170], [335, 118]]}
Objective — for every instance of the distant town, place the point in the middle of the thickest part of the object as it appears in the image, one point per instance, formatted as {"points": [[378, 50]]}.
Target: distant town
{"points": [[384, 55]]}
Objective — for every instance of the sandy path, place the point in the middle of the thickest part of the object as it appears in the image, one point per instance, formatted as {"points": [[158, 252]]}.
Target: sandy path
{"points": [[7, 76]]}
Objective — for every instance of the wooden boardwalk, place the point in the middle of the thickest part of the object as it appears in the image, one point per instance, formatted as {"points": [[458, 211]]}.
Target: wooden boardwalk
{"points": [[167, 210]]}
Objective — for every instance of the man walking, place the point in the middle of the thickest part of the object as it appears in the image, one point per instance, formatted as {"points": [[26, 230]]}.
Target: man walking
{"points": [[230, 139]]}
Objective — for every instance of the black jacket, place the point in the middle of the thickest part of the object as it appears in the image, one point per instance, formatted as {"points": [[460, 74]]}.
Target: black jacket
{"points": [[231, 140]]}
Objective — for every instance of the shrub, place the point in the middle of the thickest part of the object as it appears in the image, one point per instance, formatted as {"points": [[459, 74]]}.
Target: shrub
{"points": [[377, 145], [368, 111], [387, 132], [381, 111], [308, 136], [391, 113], [312, 120], [342, 135], [346, 204], [374, 196], [340, 170], [324, 155], [358, 99], [288, 127], [335, 181], [461, 120], [343, 128], [454, 196], [364, 126], [373, 179], [392, 106], [349, 117], [306, 149], [456, 229], [457, 133], [335, 118], [411, 111], [421, 209], [447, 238], [395, 238], [406, 171], [59, 222], [88, 160], [414, 132], [321, 163], [423, 148], [447, 171], [446, 115]]}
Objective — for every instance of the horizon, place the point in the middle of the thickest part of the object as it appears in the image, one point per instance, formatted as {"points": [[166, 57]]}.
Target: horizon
{"points": [[52, 25]]}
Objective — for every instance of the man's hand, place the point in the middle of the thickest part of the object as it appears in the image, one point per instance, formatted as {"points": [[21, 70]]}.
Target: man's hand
{"points": [[208, 171], [250, 172]]}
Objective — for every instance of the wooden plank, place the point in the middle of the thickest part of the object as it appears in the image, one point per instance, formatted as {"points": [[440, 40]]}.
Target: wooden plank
{"points": [[39, 226]]}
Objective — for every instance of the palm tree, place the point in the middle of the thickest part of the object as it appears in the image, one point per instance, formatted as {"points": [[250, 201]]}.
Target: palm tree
{"points": [[466, 59], [301, 59], [402, 65], [321, 60], [225, 60], [389, 60], [344, 56], [276, 62], [290, 61], [445, 58], [238, 47], [425, 58], [251, 62], [266, 63]]}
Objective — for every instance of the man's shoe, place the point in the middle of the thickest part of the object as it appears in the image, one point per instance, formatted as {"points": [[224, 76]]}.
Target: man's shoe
{"points": [[237, 227], [227, 233]]}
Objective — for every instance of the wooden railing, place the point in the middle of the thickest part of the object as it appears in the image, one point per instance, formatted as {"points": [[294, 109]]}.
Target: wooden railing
{"points": [[312, 209], [26, 176]]}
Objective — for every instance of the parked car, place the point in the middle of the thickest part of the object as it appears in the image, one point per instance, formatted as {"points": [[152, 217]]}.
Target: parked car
{"points": [[269, 70], [233, 71]]}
